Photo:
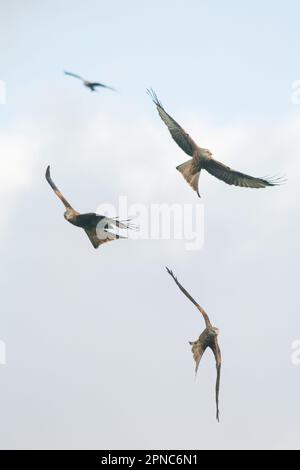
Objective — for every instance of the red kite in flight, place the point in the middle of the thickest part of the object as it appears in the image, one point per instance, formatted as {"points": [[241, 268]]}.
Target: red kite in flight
{"points": [[91, 85], [202, 158], [95, 226], [207, 339]]}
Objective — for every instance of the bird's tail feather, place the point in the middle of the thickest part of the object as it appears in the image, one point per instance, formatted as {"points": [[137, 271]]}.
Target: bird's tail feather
{"points": [[190, 174]]}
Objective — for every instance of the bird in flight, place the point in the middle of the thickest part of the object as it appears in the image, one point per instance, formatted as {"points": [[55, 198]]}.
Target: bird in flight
{"points": [[202, 158], [91, 85], [95, 226], [207, 339]]}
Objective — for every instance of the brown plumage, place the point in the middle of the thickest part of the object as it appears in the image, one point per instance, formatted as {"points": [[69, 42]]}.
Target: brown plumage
{"points": [[95, 226], [91, 85], [207, 339], [202, 158]]}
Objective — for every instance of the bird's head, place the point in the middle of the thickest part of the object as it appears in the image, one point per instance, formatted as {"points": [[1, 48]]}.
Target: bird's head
{"points": [[69, 214], [206, 153]]}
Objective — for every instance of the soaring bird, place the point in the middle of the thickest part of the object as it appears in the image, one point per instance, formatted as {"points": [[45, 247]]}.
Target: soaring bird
{"points": [[202, 158], [95, 226], [91, 85], [207, 339]]}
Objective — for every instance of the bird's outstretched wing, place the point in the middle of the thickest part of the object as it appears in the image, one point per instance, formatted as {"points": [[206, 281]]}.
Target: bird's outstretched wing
{"points": [[201, 310], [56, 190], [74, 75], [217, 353], [95, 84], [181, 137], [232, 177]]}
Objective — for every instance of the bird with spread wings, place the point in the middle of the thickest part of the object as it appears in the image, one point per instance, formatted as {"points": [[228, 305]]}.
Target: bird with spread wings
{"points": [[207, 339], [91, 85], [97, 227], [202, 158]]}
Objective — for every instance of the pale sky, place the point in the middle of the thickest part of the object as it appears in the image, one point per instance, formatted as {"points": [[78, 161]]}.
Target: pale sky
{"points": [[97, 341]]}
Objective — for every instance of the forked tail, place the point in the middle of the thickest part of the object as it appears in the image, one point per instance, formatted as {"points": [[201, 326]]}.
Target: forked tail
{"points": [[190, 174]]}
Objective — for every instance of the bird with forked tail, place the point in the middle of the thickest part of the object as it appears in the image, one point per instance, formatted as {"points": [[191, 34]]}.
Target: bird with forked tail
{"points": [[91, 85], [207, 339], [97, 227], [202, 158]]}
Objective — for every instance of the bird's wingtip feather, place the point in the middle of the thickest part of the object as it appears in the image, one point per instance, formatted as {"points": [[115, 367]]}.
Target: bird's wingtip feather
{"points": [[275, 180], [154, 97], [169, 271], [48, 171]]}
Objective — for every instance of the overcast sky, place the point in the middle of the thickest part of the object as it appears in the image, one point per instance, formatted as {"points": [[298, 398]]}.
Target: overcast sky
{"points": [[97, 341]]}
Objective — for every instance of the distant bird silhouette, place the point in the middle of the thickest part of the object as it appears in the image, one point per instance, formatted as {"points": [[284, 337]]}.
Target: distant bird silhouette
{"points": [[95, 226], [207, 339], [202, 158], [91, 85]]}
